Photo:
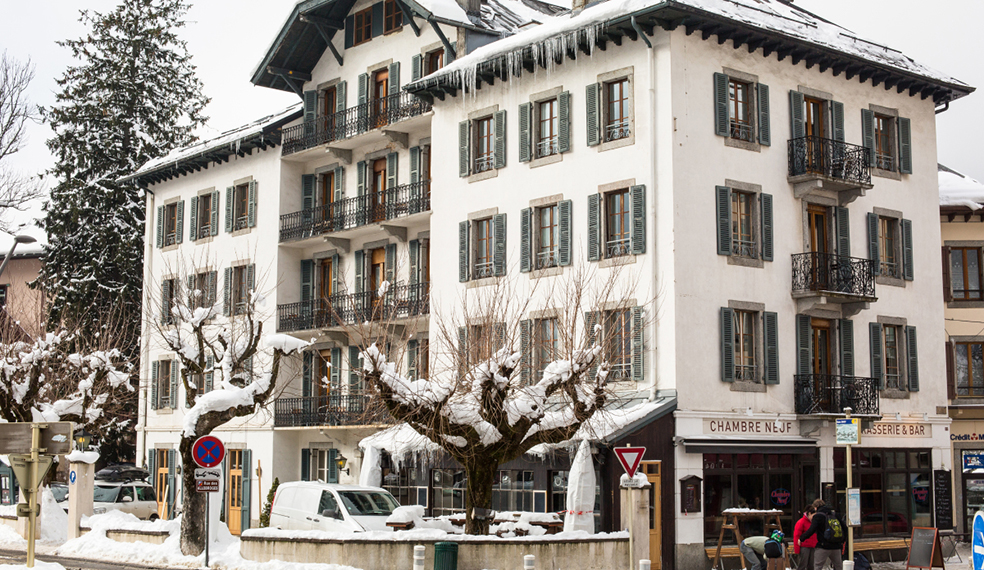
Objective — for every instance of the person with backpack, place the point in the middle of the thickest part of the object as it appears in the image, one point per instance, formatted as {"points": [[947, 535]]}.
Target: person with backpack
{"points": [[830, 532], [804, 548], [756, 549]]}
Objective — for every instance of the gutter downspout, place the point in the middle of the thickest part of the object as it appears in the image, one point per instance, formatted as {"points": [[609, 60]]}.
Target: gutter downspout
{"points": [[144, 339], [944, 108]]}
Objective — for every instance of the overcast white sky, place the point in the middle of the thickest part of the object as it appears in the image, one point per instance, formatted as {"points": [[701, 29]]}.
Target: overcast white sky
{"points": [[228, 37]]}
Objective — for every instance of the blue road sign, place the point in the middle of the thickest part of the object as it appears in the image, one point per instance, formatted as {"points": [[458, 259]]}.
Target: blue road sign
{"points": [[71, 477], [977, 542], [208, 451]]}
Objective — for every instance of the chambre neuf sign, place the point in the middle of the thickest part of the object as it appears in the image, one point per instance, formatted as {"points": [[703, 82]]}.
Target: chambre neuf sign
{"points": [[748, 427]]}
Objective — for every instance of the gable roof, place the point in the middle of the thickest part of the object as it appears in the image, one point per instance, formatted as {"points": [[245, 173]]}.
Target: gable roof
{"points": [[959, 190]]}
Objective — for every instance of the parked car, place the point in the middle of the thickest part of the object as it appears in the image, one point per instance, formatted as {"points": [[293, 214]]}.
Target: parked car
{"points": [[122, 472], [60, 491], [310, 505], [136, 498]]}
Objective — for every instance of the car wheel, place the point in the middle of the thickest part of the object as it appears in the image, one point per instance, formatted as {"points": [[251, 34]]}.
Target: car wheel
{"points": [[153, 517]]}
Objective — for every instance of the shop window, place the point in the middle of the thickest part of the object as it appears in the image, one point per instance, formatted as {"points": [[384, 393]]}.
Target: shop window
{"points": [[448, 492], [896, 492], [513, 491]]}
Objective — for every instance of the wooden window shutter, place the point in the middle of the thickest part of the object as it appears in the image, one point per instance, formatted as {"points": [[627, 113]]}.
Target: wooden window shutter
{"points": [[209, 374], [179, 222], [360, 170], [335, 372], [525, 134], [307, 280], [637, 195], [340, 93], [360, 263], [594, 227], [213, 276], [160, 226], [355, 363], [251, 278], [227, 293], [843, 232], [415, 67], [378, 16], [767, 240], [499, 120], [310, 111], [414, 248], [339, 192], [363, 101], [392, 170], [335, 284], [229, 226], [723, 208], [414, 164], [907, 269], [875, 341], [525, 240], [165, 301], [951, 377], [308, 182], [463, 251], [154, 371], [251, 206], [912, 352], [499, 244], [564, 121], [764, 116], [797, 115], [591, 320], [727, 344], [193, 223], [722, 120], [564, 212], [333, 461], [868, 133], [391, 266], [412, 347], [770, 324], [526, 351], [638, 345], [214, 221], [305, 465], [873, 253], [905, 146], [837, 120], [349, 40], [592, 118], [804, 345], [246, 491], [394, 78], [174, 384], [464, 148], [947, 282], [845, 329]]}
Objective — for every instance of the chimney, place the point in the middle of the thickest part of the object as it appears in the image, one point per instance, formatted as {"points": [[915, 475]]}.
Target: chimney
{"points": [[471, 7]]}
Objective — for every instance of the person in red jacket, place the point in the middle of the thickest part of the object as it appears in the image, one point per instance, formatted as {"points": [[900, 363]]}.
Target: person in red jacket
{"points": [[804, 549]]}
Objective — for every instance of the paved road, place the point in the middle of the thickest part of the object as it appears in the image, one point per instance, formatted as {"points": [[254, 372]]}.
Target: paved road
{"points": [[19, 557]]}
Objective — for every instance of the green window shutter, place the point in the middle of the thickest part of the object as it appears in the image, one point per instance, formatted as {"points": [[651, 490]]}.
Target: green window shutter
{"points": [[415, 67], [594, 227], [360, 169], [464, 147], [193, 222], [392, 170], [307, 280], [414, 164], [335, 372], [363, 100], [499, 244], [525, 143], [305, 465], [905, 145], [463, 251], [564, 211], [214, 222], [209, 373], [154, 372], [335, 284], [722, 119], [526, 351], [764, 121], [360, 263], [591, 319], [804, 345], [340, 93], [394, 78], [845, 329], [767, 247], [307, 191], [564, 121], [229, 201], [213, 276], [363, 88], [355, 363], [247, 489], [310, 109], [499, 120], [463, 347], [339, 193], [171, 462], [797, 114], [912, 351], [391, 265], [160, 226], [591, 95], [638, 345], [174, 384], [723, 206], [875, 339], [637, 195], [251, 277], [525, 240], [837, 120], [251, 206], [179, 225], [873, 254], [843, 232], [165, 301], [414, 248], [770, 324], [868, 133], [151, 466], [333, 461], [412, 347], [907, 268], [191, 286], [227, 293], [727, 345]]}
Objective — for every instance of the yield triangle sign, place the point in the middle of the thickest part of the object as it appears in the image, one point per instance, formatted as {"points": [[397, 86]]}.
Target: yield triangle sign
{"points": [[630, 457]]}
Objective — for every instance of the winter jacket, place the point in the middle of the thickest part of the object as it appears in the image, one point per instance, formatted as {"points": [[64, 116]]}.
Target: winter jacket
{"points": [[817, 528], [798, 542]]}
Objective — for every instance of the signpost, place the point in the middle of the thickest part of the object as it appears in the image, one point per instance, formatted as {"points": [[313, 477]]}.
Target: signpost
{"points": [[208, 452], [849, 433], [630, 457], [854, 507], [924, 549]]}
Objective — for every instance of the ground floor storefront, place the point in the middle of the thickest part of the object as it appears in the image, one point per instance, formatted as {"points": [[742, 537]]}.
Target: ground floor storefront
{"points": [[967, 440]]}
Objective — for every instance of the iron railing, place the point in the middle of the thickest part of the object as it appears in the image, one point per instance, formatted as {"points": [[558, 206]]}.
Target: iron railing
{"points": [[741, 131], [884, 161], [483, 270], [546, 259], [351, 122], [330, 410], [744, 247], [548, 147], [399, 302], [616, 131], [618, 247], [484, 163], [397, 202], [830, 394], [830, 158], [826, 272]]}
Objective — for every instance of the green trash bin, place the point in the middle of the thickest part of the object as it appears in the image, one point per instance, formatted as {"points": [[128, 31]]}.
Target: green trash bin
{"points": [[445, 556]]}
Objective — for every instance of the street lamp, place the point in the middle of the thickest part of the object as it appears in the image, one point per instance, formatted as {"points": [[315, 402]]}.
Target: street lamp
{"points": [[17, 240], [82, 439], [341, 460]]}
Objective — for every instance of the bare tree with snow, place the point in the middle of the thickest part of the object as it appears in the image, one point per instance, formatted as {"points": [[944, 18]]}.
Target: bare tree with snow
{"points": [[17, 189]]}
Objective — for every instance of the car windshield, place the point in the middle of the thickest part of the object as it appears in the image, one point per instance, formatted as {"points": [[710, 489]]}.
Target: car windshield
{"points": [[60, 493], [105, 494], [368, 502]]}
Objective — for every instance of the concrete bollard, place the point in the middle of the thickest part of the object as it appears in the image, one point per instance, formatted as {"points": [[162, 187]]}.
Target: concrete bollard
{"points": [[81, 479], [644, 564], [848, 565], [418, 557], [529, 562]]}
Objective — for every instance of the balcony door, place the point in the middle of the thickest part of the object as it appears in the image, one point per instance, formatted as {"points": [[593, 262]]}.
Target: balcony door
{"points": [[814, 124], [380, 89], [327, 197], [377, 193], [819, 222], [377, 274], [821, 367]]}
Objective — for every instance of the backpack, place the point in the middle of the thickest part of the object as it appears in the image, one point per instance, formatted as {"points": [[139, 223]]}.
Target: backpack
{"points": [[773, 549], [861, 562], [834, 533]]}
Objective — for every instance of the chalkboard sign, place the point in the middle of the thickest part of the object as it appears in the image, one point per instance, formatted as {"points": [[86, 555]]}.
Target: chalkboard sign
{"points": [[943, 499], [924, 549]]}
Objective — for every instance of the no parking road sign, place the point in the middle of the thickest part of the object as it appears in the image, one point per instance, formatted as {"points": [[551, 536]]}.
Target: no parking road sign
{"points": [[208, 451]]}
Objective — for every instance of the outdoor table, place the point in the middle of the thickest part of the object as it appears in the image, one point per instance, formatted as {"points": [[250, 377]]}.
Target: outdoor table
{"points": [[731, 519]]}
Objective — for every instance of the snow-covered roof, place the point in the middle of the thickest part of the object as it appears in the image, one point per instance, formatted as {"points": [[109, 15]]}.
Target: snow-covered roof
{"points": [[776, 20], [957, 189], [261, 132]]}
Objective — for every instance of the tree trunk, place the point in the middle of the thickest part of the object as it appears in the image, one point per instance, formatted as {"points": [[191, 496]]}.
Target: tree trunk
{"points": [[193, 505], [481, 476]]}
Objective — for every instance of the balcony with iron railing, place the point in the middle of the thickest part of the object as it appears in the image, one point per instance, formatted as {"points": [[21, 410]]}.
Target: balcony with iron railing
{"points": [[547, 259], [618, 247], [401, 301], [839, 278], [617, 131], [330, 410], [548, 146], [390, 204], [821, 164], [484, 163], [741, 130], [828, 394], [483, 269], [326, 129]]}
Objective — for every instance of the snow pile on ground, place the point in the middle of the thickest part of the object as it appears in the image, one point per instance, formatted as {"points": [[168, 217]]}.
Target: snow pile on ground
{"points": [[429, 534], [54, 520], [10, 538], [38, 565], [958, 189]]}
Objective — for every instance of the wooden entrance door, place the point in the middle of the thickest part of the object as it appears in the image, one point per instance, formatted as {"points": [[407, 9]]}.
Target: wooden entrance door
{"points": [[814, 124], [379, 92], [161, 486], [234, 492], [652, 471], [821, 366]]}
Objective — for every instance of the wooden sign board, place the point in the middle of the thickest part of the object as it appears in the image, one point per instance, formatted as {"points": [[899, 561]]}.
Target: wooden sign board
{"points": [[56, 438], [924, 549]]}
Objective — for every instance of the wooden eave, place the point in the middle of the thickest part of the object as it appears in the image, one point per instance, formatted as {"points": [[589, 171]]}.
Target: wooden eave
{"points": [[670, 15], [961, 214]]}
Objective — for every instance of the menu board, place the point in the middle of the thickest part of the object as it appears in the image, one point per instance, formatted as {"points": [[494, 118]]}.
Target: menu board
{"points": [[943, 499], [924, 549]]}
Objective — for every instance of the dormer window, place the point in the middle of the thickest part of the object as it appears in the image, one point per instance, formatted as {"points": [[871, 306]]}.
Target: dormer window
{"points": [[363, 27], [393, 19]]}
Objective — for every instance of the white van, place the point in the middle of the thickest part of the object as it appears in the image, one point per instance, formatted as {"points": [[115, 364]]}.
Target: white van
{"points": [[310, 505]]}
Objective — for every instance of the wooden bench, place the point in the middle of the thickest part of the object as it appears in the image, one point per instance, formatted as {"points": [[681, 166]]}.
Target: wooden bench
{"points": [[859, 546]]}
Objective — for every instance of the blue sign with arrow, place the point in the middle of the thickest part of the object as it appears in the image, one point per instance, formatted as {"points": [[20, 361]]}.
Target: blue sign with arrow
{"points": [[977, 542]]}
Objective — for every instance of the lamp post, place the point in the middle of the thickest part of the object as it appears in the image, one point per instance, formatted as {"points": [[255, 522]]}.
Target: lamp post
{"points": [[82, 439], [17, 240], [341, 460]]}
